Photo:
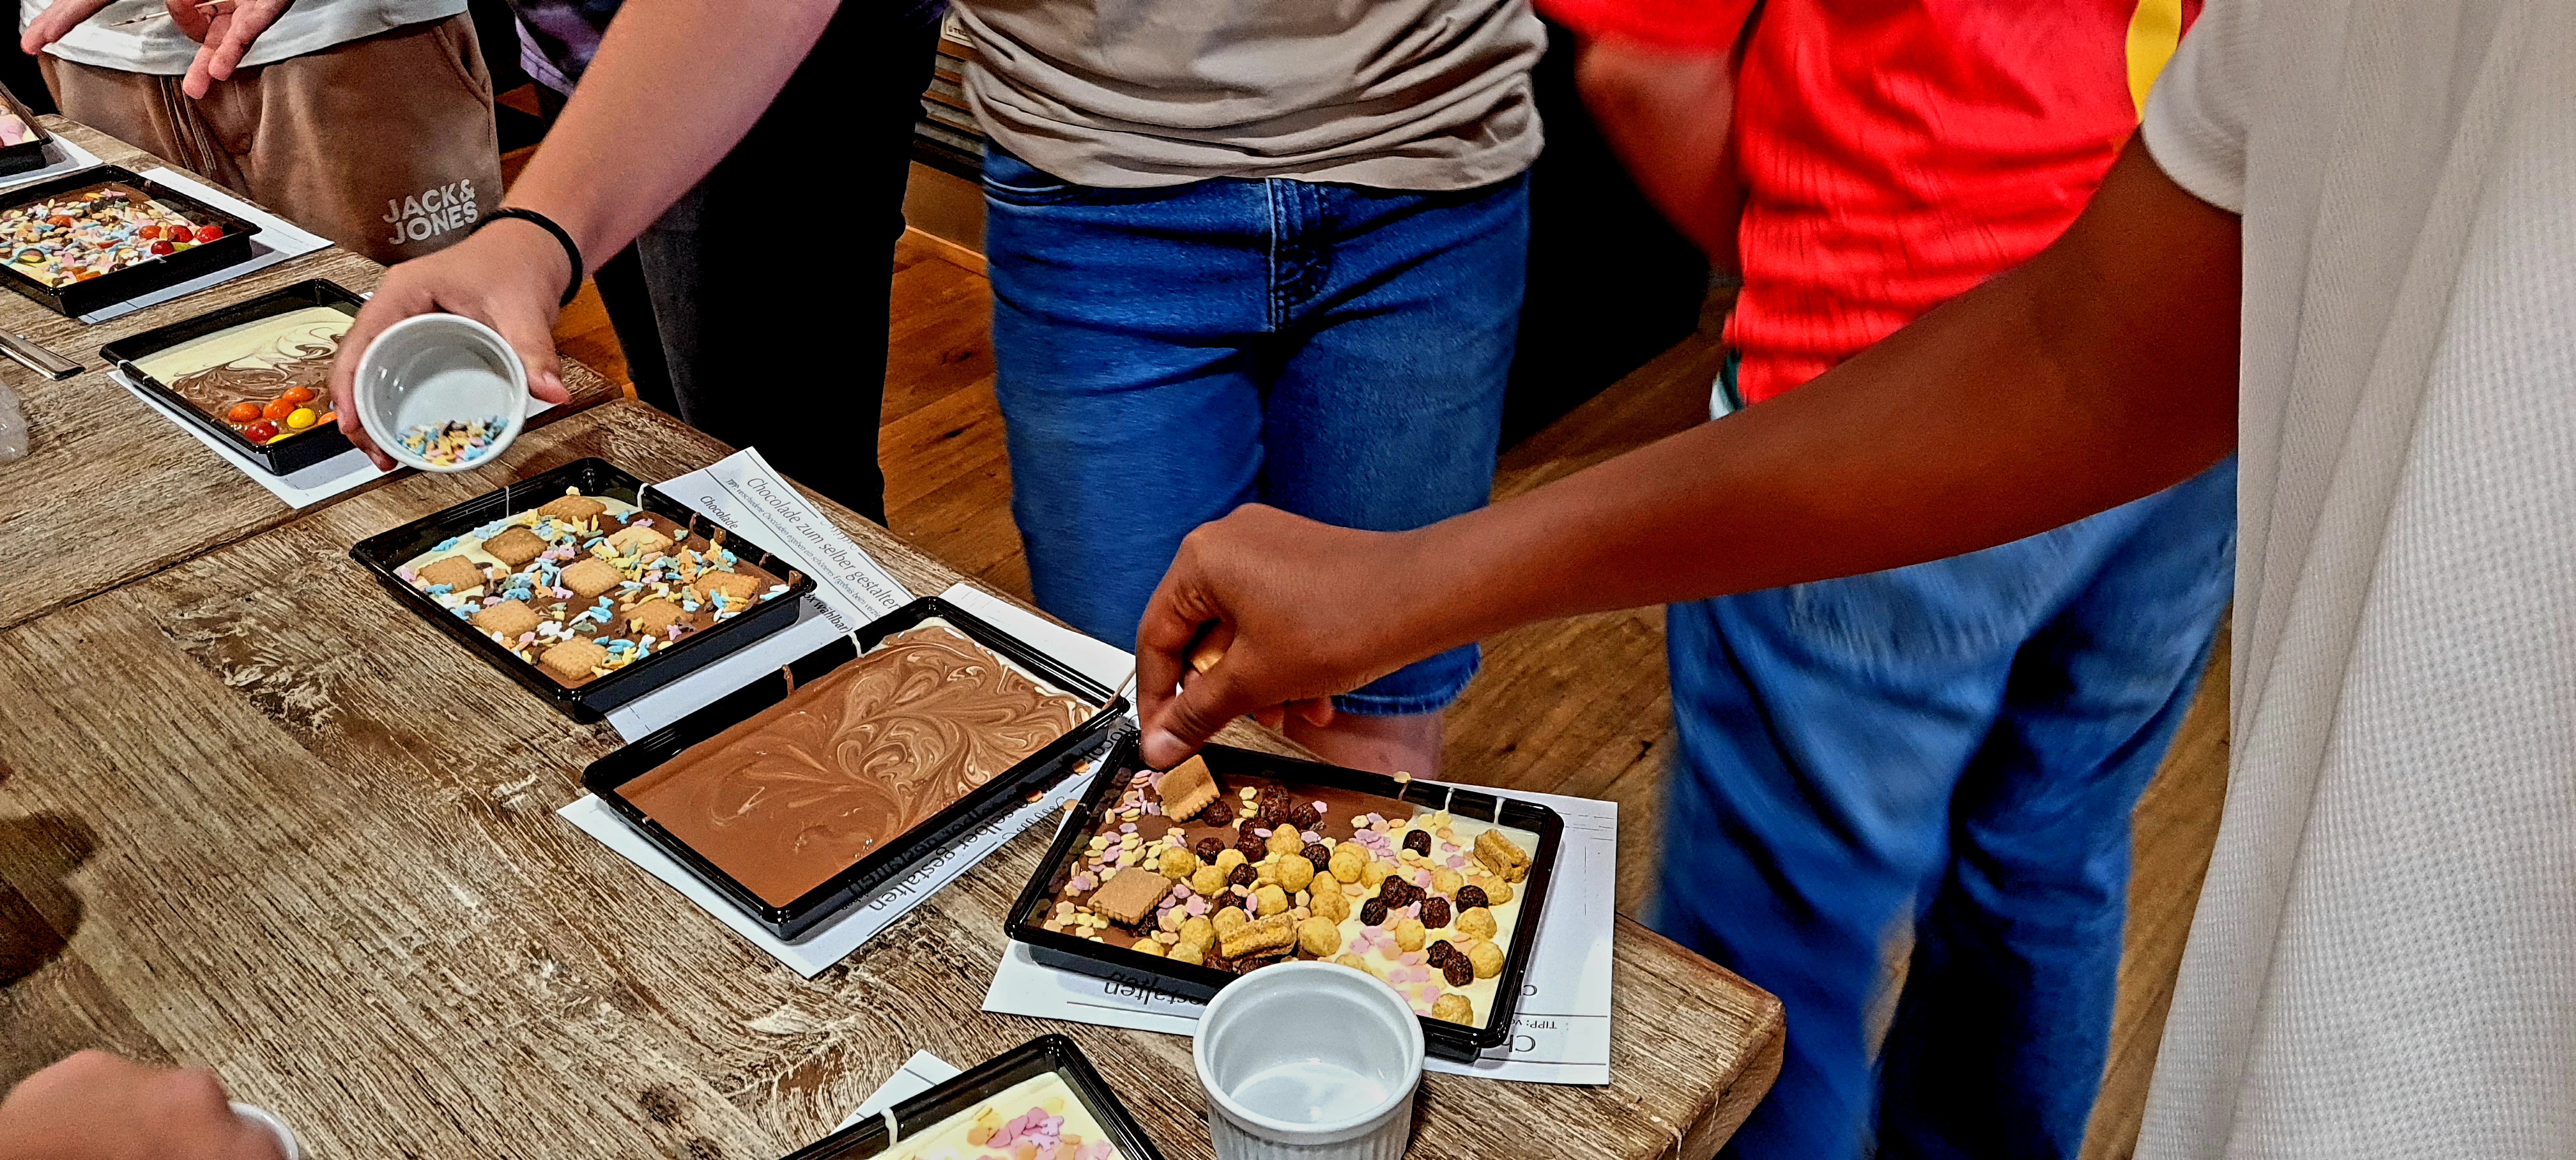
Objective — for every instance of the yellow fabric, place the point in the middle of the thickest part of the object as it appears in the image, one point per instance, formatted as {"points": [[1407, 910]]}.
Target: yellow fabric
{"points": [[2155, 30]]}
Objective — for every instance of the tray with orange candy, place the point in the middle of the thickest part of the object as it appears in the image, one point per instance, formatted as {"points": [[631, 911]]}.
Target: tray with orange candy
{"points": [[257, 374]]}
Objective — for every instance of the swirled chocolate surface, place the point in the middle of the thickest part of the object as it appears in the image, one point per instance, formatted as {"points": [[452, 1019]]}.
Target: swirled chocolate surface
{"points": [[843, 767]]}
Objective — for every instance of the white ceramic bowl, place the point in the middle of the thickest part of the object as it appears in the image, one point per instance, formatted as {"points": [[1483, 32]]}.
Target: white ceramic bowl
{"points": [[432, 369], [268, 1119], [1309, 1061]]}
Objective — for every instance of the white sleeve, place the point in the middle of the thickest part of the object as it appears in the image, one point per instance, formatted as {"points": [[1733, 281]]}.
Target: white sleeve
{"points": [[2200, 112]]}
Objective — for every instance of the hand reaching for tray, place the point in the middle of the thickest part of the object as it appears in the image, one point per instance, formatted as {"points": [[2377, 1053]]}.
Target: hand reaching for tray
{"points": [[97, 1106], [509, 276], [1264, 613]]}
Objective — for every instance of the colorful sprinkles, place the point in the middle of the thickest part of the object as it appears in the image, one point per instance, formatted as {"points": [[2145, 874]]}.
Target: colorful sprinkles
{"points": [[453, 443]]}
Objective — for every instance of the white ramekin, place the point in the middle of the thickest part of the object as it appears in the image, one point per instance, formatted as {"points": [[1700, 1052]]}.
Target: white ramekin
{"points": [[1299, 1012]]}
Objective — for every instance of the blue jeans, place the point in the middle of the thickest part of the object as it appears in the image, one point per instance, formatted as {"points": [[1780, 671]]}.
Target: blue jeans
{"points": [[1955, 746], [1165, 355]]}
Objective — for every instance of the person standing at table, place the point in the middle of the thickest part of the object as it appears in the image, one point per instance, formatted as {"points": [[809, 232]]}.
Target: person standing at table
{"points": [[704, 274], [2340, 242], [1950, 750], [1241, 250], [368, 122]]}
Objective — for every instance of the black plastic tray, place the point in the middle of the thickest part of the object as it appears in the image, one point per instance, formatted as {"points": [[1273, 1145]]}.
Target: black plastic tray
{"points": [[1441, 1037], [80, 298], [595, 477], [893, 859], [297, 451], [982, 1082], [28, 154]]}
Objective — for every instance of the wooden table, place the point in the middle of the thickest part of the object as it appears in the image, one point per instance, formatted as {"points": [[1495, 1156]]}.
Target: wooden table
{"points": [[256, 816], [109, 494]]}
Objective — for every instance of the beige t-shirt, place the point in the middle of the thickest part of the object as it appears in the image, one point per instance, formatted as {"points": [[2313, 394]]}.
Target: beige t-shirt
{"points": [[1394, 94], [2384, 959]]}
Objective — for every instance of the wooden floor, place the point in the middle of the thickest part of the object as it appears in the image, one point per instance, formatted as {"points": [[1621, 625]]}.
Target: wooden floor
{"points": [[1578, 706]]}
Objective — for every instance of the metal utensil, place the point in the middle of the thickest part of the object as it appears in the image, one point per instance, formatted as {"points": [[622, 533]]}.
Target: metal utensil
{"points": [[37, 358]]}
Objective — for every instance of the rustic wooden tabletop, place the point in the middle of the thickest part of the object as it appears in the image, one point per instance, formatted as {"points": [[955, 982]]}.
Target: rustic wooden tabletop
{"points": [[108, 494], [256, 816]]}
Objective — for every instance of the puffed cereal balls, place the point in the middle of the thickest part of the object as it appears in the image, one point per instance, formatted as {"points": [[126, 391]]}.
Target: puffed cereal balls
{"points": [[1229, 858], [1409, 934], [1319, 937], [1296, 873], [1486, 958], [1198, 930], [1331, 903], [1178, 863], [1478, 922], [1270, 900], [1375, 872], [1347, 860], [1229, 920], [1454, 1009], [1185, 951], [1208, 881]]}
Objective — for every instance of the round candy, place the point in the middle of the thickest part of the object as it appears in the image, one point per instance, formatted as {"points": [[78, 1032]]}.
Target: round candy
{"points": [[243, 413], [261, 432], [148, 232], [163, 247], [300, 418], [209, 233], [277, 409], [298, 395]]}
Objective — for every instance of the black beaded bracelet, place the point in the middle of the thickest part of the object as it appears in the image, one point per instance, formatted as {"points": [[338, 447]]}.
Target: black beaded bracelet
{"points": [[547, 224]]}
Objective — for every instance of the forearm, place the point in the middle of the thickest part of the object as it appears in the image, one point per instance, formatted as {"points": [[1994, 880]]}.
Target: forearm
{"points": [[675, 84], [1666, 113], [2101, 371]]}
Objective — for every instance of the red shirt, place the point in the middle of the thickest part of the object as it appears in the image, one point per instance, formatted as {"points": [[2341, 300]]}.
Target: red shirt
{"points": [[1895, 153]]}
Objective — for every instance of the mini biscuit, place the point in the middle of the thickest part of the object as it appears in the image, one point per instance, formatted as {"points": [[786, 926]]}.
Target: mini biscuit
{"points": [[1486, 958], [1186, 789], [1454, 1009], [1129, 899], [574, 508], [639, 539], [516, 547], [573, 659], [509, 618], [1320, 937], [457, 572], [1508, 861], [655, 617], [1260, 938], [737, 588], [590, 576]]}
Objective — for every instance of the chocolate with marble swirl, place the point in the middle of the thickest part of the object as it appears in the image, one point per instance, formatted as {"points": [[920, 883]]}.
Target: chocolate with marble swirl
{"points": [[845, 766]]}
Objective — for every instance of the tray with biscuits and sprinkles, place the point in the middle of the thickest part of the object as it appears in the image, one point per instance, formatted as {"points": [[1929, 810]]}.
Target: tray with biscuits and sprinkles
{"points": [[586, 586], [1187, 879]]}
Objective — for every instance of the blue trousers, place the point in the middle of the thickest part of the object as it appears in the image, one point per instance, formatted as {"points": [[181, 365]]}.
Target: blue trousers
{"points": [[1954, 746], [1166, 355]]}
